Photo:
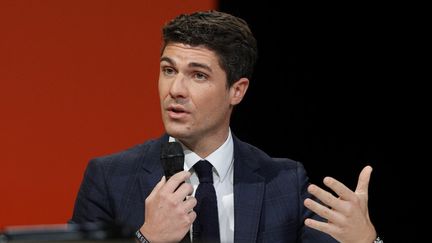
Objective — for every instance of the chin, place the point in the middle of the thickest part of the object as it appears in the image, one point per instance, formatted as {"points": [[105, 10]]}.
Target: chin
{"points": [[177, 130]]}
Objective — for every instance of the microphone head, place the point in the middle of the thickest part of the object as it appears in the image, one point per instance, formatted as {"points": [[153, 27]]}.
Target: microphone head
{"points": [[172, 158], [170, 150]]}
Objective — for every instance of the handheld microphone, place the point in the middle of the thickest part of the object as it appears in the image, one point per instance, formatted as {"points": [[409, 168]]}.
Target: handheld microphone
{"points": [[172, 158]]}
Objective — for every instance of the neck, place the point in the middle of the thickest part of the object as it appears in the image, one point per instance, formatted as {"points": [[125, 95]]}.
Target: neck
{"points": [[204, 147]]}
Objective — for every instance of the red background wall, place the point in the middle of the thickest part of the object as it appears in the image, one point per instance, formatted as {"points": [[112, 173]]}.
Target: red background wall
{"points": [[78, 80]]}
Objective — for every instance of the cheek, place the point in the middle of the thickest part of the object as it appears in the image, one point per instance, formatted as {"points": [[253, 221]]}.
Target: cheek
{"points": [[213, 108], [163, 90], [210, 103]]}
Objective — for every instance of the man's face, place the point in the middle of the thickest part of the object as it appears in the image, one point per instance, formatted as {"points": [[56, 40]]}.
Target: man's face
{"points": [[195, 101]]}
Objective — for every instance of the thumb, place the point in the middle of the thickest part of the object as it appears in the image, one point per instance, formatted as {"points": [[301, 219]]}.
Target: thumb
{"points": [[363, 181]]}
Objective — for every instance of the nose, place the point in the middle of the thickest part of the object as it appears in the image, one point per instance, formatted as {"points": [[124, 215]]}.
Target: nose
{"points": [[178, 87]]}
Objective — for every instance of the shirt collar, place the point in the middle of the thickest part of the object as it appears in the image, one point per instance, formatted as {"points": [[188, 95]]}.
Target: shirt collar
{"points": [[221, 158]]}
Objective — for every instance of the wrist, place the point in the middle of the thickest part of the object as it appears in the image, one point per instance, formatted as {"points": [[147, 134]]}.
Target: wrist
{"points": [[378, 240], [372, 236], [139, 236]]}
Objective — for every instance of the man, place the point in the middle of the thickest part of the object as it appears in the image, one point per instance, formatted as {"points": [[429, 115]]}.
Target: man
{"points": [[206, 63]]}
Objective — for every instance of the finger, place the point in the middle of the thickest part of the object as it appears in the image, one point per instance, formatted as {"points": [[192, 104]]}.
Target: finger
{"points": [[363, 181], [183, 191], [318, 225], [341, 190], [323, 211], [325, 197], [175, 180], [158, 186], [189, 204], [192, 216]]}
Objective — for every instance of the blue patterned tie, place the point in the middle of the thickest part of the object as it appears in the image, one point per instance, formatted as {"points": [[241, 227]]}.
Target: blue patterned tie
{"points": [[206, 225]]}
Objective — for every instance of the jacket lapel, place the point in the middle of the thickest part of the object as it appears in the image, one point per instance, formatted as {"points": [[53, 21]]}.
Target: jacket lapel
{"points": [[248, 195], [147, 173], [152, 170]]}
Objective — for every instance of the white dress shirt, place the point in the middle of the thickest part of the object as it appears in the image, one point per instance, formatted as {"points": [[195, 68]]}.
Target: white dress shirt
{"points": [[222, 160]]}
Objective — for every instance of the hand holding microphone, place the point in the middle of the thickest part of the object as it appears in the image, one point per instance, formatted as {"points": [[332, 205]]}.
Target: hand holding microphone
{"points": [[168, 216]]}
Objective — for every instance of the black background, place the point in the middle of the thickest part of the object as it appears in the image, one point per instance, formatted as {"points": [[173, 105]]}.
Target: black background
{"points": [[330, 90]]}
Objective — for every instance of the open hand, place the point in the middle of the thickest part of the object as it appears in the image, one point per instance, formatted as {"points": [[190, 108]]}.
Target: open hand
{"points": [[347, 215]]}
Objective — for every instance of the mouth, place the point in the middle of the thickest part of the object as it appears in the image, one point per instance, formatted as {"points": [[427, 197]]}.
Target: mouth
{"points": [[176, 111]]}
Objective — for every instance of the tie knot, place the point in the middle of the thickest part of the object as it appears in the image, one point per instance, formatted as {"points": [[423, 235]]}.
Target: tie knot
{"points": [[203, 168]]}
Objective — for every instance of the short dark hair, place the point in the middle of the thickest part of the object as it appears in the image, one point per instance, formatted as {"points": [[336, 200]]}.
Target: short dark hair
{"points": [[228, 36]]}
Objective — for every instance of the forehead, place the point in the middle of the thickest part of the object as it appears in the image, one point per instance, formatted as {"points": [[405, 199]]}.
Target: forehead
{"points": [[183, 53]]}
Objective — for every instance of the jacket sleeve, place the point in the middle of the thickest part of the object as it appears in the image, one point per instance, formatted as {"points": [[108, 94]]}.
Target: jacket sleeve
{"points": [[308, 235]]}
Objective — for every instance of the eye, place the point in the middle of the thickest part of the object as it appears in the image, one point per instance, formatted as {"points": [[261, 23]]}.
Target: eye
{"points": [[200, 76], [168, 71]]}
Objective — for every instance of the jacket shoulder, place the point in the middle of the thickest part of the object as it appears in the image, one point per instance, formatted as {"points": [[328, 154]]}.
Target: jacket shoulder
{"points": [[263, 160], [125, 158]]}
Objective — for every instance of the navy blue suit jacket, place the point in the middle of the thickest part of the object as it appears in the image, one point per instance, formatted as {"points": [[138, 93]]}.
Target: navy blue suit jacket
{"points": [[268, 193]]}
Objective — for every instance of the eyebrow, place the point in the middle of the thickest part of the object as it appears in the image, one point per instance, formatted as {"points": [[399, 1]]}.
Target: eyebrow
{"points": [[167, 59], [192, 64], [200, 65]]}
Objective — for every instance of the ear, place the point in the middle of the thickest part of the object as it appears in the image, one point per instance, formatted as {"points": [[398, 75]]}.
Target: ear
{"points": [[238, 90]]}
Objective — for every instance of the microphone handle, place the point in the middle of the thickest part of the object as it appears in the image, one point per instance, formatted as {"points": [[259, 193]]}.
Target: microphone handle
{"points": [[173, 166]]}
